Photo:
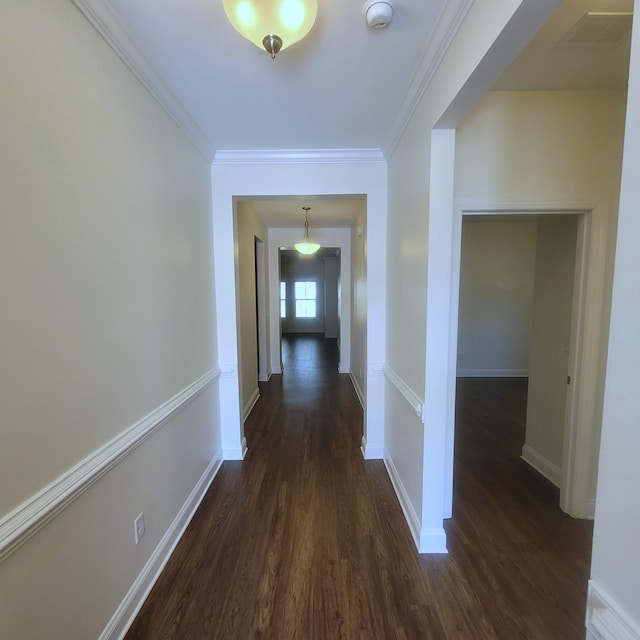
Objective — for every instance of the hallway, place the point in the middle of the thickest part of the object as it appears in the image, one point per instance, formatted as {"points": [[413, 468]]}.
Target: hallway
{"points": [[304, 539]]}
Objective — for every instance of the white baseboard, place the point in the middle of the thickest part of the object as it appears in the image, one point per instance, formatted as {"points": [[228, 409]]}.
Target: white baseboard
{"points": [[543, 466], [356, 386], [410, 514], [492, 373], [606, 620], [255, 396], [137, 594], [433, 541], [426, 540], [235, 453], [371, 451], [264, 377]]}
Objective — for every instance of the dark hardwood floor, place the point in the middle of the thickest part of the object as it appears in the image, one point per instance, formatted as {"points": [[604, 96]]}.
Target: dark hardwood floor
{"points": [[305, 540]]}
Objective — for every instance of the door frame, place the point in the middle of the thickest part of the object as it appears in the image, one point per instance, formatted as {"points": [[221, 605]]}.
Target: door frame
{"points": [[588, 349]]}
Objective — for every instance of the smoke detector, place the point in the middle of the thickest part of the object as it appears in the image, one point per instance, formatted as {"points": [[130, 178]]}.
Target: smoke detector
{"points": [[379, 13]]}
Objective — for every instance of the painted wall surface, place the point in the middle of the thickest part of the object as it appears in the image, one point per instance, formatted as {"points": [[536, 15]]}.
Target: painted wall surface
{"points": [[107, 313], [359, 304], [615, 568], [551, 339], [292, 271], [249, 228], [332, 297], [528, 143], [496, 294]]}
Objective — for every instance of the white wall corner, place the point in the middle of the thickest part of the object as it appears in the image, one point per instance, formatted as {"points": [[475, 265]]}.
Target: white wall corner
{"points": [[433, 541], [606, 620], [235, 452], [410, 514], [140, 589], [543, 466]]}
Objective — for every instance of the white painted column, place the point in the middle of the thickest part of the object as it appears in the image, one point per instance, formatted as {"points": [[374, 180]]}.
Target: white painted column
{"points": [[439, 388]]}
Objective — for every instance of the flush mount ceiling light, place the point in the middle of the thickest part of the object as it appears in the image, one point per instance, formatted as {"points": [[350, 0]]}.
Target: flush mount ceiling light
{"points": [[272, 24], [306, 246]]}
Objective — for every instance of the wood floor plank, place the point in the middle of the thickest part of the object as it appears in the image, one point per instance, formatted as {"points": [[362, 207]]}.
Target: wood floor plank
{"points": [[305, 540]]}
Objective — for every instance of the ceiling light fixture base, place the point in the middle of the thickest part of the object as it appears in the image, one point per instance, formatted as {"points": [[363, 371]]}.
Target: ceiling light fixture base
{"points": [[272, 43], [379, 13]]}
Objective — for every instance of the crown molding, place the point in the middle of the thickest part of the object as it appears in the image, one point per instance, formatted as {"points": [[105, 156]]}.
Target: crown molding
{"points": [[449, 21], [103, 18], [299, 156]]}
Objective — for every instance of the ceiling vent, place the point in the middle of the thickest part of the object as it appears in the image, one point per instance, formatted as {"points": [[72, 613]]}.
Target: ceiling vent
{"points": [[599, 30]]}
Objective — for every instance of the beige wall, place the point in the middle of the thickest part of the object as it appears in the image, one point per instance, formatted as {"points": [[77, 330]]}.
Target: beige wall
{"points": [[496, 292], [249, 228], [546, 143], [107, 313]]}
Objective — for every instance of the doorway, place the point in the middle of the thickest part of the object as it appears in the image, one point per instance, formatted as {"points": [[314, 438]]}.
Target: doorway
{"points": [[577, 485], [516, 301]]}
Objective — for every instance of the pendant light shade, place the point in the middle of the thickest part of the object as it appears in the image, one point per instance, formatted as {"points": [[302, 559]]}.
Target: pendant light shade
{"points": [[306, 246], [272, 24]]}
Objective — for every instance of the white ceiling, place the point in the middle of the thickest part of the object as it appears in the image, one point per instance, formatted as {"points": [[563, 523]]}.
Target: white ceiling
{"points": [[344, 86], [341, 87]]}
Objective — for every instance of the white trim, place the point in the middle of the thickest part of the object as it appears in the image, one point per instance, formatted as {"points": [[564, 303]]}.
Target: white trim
{"points": [[433, 541], [606, 620], [104, 20], [265, 378], [33, 514], [376, 369], [545, 467], [356, 386], [588, 322], [250, 404], [125, 614], [492, 373], [236, 453], [426, 540], [438, 42], [410, 514], [405, 391], [298, 156]]}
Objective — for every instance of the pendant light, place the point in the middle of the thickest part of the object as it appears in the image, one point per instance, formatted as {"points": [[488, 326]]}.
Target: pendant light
{"points": [[272, 24], [306, 246]]}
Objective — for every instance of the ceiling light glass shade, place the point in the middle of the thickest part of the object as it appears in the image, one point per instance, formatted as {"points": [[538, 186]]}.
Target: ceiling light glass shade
{"points": [[306, 246], [272, 24]]}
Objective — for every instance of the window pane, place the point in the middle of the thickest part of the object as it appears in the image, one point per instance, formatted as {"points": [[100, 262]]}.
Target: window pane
{"points": [[283, 291], [305, 295], [283, 309], [305, 308]]}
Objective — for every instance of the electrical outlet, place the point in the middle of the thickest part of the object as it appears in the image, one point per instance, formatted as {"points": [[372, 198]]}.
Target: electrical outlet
{"points": [[138, 527]]}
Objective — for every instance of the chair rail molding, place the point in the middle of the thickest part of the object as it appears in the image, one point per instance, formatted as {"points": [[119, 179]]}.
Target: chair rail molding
{"points": [[28, 518]]}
